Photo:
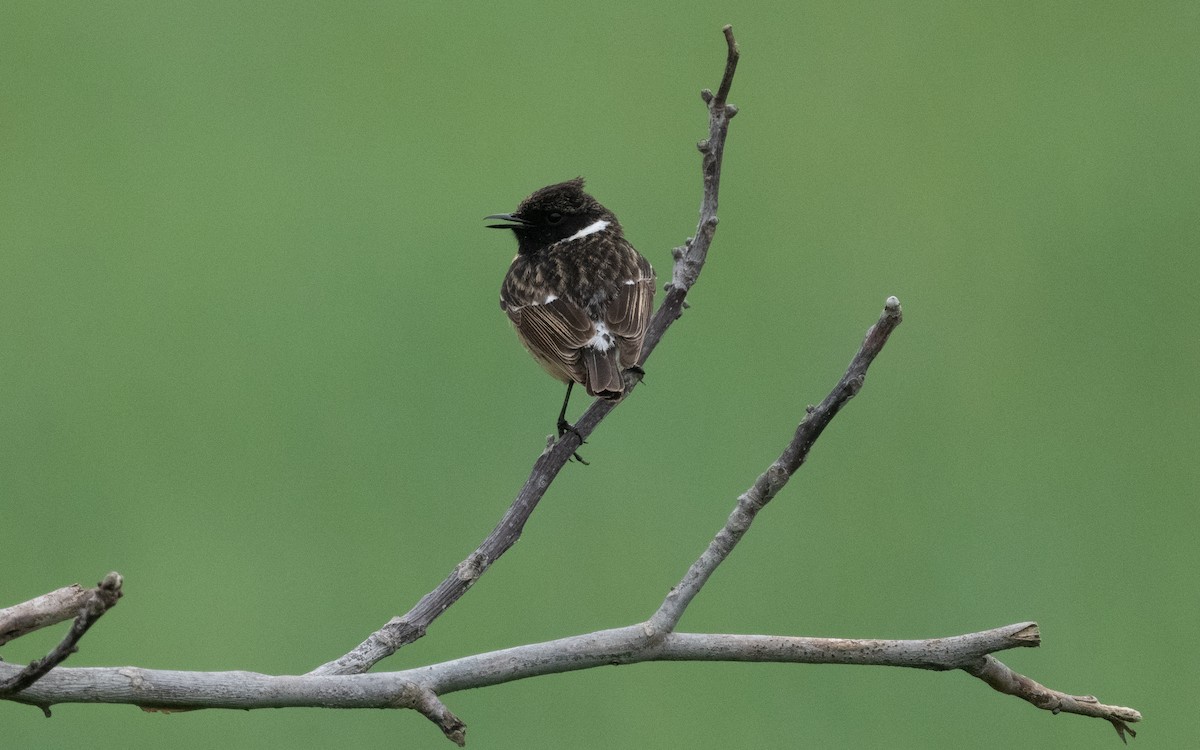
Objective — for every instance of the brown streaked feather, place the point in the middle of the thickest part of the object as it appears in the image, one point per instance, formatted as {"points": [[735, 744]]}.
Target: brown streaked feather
{"points": [[598, 280], [603, 373], [554, 333], [628, 315]]}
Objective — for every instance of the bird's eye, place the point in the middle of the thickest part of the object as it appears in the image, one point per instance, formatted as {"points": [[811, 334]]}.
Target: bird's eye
{"points": [[554, 217]]}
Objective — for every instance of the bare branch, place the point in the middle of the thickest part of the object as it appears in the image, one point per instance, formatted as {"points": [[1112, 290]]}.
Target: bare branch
{"points": [[777, 474], [634, 644], [169, 691], [433, 709], [40, 612], [731, 62], [97, 601], [997, 674], [417, 688], [628, 645], [689, 260]]}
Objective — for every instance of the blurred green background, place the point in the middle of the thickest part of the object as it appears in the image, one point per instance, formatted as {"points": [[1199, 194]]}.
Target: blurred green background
{"points": [[251, 355]]}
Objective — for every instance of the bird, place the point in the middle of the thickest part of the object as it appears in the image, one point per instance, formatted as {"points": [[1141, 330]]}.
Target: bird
{"points": [[578, 293]]}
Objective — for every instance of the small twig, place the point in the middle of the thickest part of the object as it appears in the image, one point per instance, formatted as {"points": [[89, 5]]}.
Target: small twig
{"points": [[432, 708], [98, 601], [402, 630], [777, 475], [731, 62], [1002, 678], [40, 612]]}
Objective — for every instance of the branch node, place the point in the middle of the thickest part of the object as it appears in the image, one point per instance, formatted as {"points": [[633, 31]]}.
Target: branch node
{"points": [[474, 566], [98, 601], [431, 707]]}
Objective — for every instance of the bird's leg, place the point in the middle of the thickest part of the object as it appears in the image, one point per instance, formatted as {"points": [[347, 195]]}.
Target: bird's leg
{"points": [[564, 426]]}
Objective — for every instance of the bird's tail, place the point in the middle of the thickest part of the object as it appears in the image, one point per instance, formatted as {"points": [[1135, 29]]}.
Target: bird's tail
{"points": [[603, 373]]}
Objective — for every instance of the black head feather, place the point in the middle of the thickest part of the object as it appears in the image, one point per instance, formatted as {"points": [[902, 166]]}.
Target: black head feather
{"points": [[555, 213]]}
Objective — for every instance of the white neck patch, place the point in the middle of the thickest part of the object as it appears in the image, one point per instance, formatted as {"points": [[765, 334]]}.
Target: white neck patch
{"points": [[598, 226]]}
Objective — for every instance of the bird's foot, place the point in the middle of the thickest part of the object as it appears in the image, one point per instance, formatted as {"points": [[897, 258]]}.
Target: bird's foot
{"points": [[633, 375], [563, 428]]}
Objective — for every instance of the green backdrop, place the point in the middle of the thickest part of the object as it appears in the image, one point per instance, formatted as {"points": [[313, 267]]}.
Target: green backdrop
{"points": [[251, 355]]}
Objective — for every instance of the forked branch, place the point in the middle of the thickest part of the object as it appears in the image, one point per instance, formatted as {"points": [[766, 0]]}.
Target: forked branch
{"points": [[50, 608], [343, 684], [689, 260]]}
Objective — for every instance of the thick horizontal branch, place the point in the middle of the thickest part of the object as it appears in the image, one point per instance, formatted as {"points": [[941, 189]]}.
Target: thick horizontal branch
{"points": [[417, 688], [629, 645], [637, 643]]}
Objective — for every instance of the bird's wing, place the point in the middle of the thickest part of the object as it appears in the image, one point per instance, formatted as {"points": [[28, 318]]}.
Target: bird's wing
{"points": [[554, 332], [628, 315]]}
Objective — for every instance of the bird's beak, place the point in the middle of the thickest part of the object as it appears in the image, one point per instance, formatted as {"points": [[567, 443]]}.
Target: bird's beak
{"points": [[516, 222]]}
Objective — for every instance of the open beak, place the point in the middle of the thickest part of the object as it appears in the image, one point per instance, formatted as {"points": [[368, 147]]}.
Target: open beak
{"points": [[516, 222]]}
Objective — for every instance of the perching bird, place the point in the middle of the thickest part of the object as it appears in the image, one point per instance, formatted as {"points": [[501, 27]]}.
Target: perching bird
{"points": [[579, 295]]}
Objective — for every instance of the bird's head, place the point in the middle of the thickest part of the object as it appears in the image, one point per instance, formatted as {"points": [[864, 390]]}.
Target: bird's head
{"points": [[556, 213]]}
